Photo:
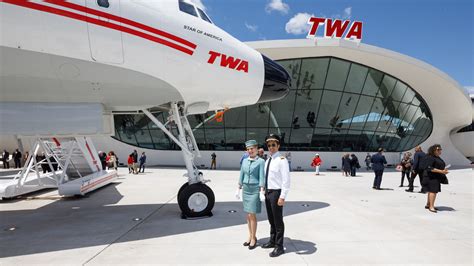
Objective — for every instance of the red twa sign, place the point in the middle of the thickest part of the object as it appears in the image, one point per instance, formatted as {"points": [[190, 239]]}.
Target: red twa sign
{"points": [[335, 28]]}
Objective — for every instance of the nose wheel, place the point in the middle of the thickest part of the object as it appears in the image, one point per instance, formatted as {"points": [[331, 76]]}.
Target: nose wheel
{"points": [[196, 200]]}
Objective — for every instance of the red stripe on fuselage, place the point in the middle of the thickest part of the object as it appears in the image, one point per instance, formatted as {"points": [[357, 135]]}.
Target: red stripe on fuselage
{"points": [[77, 7], [64, 13]]}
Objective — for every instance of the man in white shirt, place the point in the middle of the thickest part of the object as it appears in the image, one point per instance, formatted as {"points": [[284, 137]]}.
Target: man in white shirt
{"points": [[277, 185]]}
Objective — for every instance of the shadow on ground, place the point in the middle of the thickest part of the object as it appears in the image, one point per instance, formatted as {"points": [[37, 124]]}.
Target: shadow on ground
{"points": [[95, 220]]}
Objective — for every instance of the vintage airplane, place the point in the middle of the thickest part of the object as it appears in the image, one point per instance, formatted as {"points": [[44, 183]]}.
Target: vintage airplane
{"points": [[68, 66]]}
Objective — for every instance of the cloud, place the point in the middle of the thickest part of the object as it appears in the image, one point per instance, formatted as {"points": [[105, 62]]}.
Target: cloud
{"points": [[347, 13], [198, 3], [277, 5], [251, 27], [298, 24]]}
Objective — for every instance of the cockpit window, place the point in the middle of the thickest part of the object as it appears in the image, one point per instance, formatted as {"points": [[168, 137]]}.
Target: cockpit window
{"points": [[187, 8], [203, 15]]}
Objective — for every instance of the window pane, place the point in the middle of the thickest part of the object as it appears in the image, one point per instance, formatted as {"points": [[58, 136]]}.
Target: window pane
{"points": [[372, 83], [293, 68], [301, 138], [327, 116], [313, 73], [320, 139], [203, 15], [409, 95], [356, 79], [386, 87], [215, 138], [346, 109], [364, 141], [399, 91], [235, 117], [187, 8], [283, 110], [337, 74], [161, 141], [306, 107], [375, 115], [351, 140], [257, 134], [235, 138], [258, 115], [144, 139], [362, 112], [336, 139]]}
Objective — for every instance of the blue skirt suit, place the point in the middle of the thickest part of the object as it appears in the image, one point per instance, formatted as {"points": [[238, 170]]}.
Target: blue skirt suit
{"points": [[252, 177]]}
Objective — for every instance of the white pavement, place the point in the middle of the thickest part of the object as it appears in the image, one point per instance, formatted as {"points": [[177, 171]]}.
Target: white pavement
{"points": [[346, 222]]}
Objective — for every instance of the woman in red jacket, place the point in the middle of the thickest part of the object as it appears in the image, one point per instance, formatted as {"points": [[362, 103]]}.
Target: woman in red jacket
{"points": [[316, 163]]}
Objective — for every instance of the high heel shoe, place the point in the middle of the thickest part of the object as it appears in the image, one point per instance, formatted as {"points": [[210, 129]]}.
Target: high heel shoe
{"points": [[254, 246], [246, 244]]}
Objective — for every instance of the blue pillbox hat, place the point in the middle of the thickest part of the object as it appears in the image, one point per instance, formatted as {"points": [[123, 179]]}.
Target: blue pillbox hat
{"points": [[250, 143]]}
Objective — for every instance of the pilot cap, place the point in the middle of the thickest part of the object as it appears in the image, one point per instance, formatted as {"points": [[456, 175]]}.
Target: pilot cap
{"points": [[250, 143], [272, 137]]}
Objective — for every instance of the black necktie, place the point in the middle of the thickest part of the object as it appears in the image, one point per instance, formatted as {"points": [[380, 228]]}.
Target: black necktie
{"points": [[266, 174]]}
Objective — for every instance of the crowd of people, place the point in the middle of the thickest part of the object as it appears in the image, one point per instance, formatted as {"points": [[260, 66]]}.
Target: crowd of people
{"points": [[430, 169], [17, 158]]}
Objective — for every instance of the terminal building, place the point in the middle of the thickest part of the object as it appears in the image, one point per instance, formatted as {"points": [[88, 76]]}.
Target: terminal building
{"points": [[346, 97]]}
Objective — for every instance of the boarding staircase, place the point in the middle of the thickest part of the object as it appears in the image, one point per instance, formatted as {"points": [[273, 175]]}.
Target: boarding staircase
{"points": [[73, 164]]}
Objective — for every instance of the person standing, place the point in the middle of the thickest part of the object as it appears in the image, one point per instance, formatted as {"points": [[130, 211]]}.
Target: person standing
{"points": [[103, 159], [316, 163], [261, 153], [354, 164], [252, 183], [244, 156], [135, 162], [346, 164], [130, 163], [213, 160], [17, 158], [416, 170], [288, 158], [368, 159], [277, 180], [142, 163], [6, 159], [434, 175], [406, 164], [378, 165]]}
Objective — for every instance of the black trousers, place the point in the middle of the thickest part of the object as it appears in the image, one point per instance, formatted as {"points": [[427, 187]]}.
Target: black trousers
{"points": [[407, 173], [378, 178], [412, 179], [275, 217]]}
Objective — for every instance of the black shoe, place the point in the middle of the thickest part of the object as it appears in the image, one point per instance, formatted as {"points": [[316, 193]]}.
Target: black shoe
{"points": [[400, 186], [277, 252], [246, 244], [254, 246], [409, 190], [268, 245]]}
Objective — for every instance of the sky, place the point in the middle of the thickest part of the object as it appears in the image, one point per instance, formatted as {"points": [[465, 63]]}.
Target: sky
{"points": [[439, 32]]}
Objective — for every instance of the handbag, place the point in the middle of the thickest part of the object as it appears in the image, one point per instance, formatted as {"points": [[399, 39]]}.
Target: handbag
{"points": [[444, 180]]}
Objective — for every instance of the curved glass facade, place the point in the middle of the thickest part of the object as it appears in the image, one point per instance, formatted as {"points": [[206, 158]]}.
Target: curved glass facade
{"points": [[333, 105]]}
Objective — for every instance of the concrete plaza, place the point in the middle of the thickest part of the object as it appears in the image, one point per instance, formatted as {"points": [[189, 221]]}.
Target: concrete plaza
{"points": [[329, 219]]}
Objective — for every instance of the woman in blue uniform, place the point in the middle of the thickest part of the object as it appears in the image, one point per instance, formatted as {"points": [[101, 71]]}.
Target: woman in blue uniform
{"points": [[252, 183]]}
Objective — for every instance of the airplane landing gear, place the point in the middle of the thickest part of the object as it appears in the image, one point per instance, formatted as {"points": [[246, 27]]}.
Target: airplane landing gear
{"points": [[195, 198]]}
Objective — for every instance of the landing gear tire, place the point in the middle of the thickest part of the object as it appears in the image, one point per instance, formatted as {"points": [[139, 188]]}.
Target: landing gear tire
{"points": [[196, 200], [180, 191]]}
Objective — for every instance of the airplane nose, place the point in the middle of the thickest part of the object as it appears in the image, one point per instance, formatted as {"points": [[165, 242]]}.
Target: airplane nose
{"points": [[277, 82]]}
